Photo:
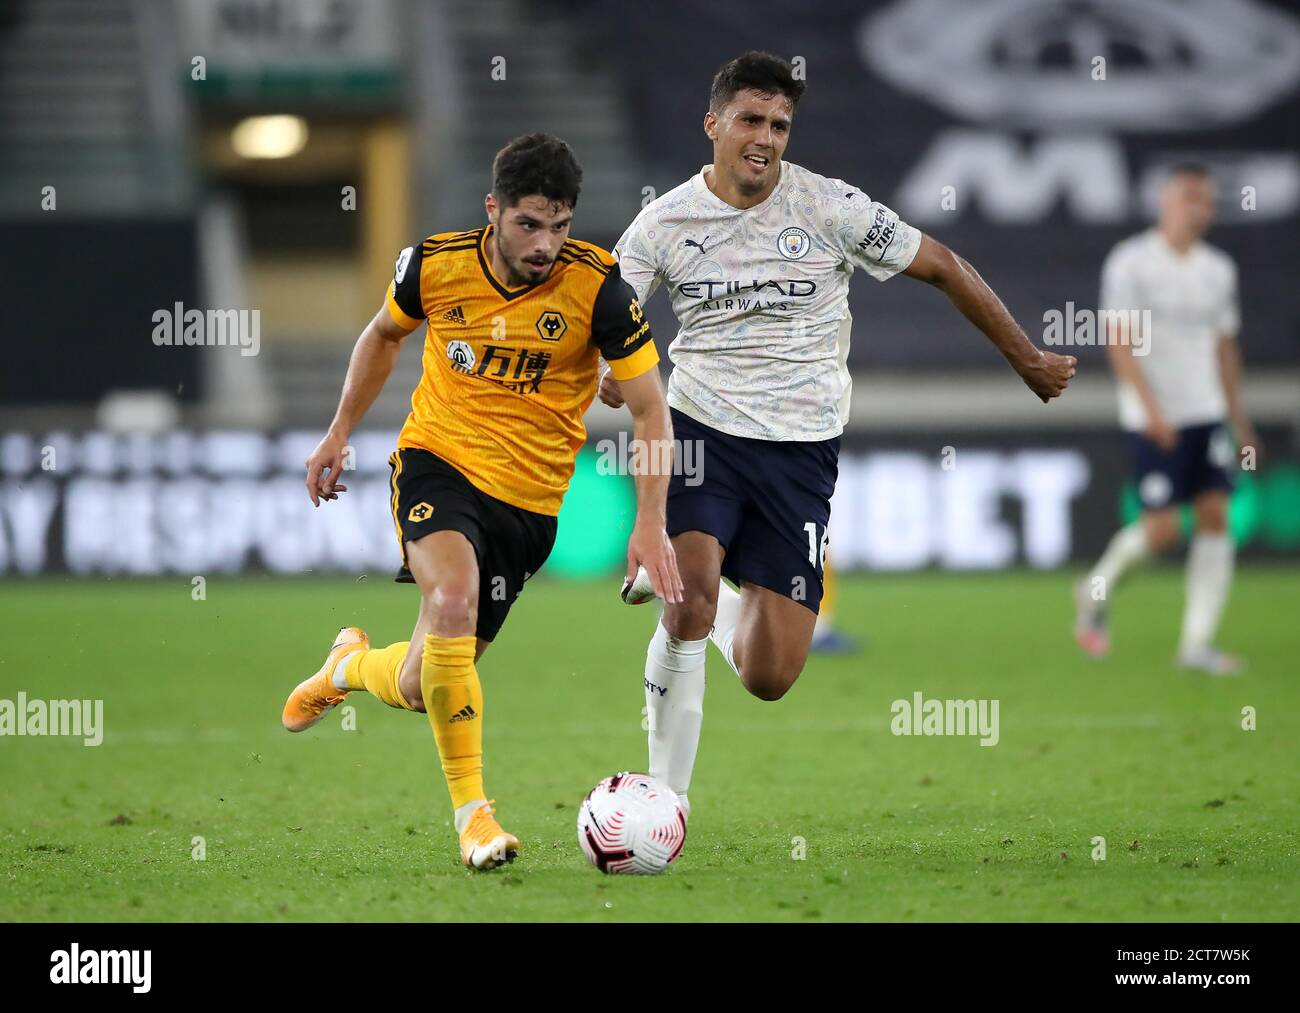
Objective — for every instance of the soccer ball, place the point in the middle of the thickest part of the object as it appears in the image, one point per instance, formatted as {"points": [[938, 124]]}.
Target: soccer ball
{"points": [[631, 824]]}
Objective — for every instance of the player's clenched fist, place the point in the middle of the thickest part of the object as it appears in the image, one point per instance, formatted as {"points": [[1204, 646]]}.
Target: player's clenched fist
{"points": [[325, 467], [1049, 374]]}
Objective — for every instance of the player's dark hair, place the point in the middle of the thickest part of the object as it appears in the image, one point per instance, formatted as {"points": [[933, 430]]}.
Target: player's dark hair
{"points": [[536, 164], [1189, 168], [758, 71]]}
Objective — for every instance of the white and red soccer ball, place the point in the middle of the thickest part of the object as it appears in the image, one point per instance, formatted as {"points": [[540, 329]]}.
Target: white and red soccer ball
{"points": [[631, 824]]}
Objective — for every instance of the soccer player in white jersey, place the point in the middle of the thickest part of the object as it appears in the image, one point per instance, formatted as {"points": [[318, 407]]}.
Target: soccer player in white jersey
{"points": [[756, 254], [1173, 402]]}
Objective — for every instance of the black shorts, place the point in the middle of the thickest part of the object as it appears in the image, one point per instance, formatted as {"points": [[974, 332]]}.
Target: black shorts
{"points": [[768, 503], [1199, 462], [511, 543]]}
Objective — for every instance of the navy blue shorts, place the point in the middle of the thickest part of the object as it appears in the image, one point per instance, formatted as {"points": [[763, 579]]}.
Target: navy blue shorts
{"points": [[768, 503], [1200, 462]]}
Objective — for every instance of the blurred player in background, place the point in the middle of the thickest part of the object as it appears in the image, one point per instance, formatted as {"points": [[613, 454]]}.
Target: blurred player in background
{"points": [[1174, 403], [827, 637], [518, 316], [756, 254]]}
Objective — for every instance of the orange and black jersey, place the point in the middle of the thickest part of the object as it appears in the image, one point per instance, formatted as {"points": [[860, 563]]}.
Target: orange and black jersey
{"points": [[509, 373]]}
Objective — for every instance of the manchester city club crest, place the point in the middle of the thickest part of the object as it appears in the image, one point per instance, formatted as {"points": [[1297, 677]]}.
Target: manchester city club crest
{"points": [[793, 243]]}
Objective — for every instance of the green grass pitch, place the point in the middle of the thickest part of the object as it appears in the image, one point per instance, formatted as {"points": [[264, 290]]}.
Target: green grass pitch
{"points": [[1201, 818]]}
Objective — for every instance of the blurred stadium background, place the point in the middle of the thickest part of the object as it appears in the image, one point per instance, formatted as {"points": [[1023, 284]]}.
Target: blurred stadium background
{"points": [[275, 155]]}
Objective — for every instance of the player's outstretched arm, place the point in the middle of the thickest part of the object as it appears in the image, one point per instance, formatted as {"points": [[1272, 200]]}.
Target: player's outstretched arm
{"points": [[652, 466], [372, 361], [1045, 373]]}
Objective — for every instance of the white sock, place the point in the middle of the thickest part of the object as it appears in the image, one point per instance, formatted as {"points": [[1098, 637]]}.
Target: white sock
{"points": [[723, 633], [674, 694], [339, 678], [464, 812], [1209, 576], [1127, 547]]}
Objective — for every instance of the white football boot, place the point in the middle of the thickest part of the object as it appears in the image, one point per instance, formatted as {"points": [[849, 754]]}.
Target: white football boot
{"points": [[1211, 661]]}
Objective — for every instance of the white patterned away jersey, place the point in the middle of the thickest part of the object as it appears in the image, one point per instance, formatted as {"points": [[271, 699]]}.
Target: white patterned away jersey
{"points": [[1192, 298], [761, 296]]}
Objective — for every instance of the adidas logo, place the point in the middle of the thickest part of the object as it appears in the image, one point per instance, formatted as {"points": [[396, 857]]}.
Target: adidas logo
{"points": [[466, 713], [456, 316]]}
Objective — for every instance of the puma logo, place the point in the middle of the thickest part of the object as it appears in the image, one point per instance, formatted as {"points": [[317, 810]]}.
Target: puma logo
{"points": [[698, 246]]}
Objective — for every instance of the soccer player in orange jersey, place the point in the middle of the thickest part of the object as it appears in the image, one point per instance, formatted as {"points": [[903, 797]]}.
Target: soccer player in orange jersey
{"points": [[518, 317]]}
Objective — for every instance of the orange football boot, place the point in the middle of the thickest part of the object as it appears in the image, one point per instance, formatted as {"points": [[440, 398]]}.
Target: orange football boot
{"points": [[317, 695], [484, 845]]}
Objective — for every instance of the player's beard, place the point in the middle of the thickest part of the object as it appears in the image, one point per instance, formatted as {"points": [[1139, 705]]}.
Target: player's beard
{"points": [[516, 267]]}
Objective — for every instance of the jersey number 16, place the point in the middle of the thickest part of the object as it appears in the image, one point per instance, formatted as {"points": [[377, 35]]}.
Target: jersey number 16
{"points": [[816, 549]]}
